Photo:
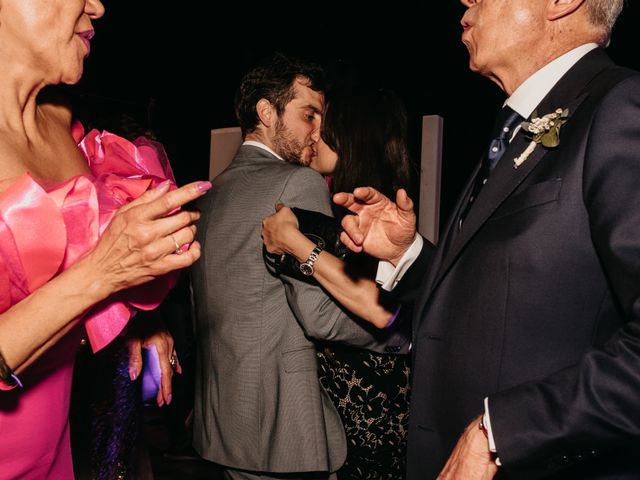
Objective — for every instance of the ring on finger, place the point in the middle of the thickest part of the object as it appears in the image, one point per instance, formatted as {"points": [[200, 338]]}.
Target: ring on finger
{"points": [[173, 361], [178, 250]]}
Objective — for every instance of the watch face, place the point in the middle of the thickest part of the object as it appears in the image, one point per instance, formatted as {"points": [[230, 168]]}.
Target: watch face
{"points": [[306, 269]]}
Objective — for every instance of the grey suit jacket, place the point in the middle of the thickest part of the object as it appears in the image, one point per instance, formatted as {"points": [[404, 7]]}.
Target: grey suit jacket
{"points": [[259, 405]]}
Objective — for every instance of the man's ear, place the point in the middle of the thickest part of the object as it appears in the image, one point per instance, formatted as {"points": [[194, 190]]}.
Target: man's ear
{"points": [[560, 8], [266, 112]]}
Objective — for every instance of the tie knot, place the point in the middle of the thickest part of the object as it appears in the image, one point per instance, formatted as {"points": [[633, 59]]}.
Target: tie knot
{"points": [[506, 121], [502, 131]]}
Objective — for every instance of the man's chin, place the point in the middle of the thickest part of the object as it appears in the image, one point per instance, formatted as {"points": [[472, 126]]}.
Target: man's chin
{"points": [[297, 160], [305, 158]]}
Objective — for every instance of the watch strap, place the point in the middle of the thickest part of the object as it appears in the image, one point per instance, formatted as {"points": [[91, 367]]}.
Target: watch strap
{"points": [[307, 267]]}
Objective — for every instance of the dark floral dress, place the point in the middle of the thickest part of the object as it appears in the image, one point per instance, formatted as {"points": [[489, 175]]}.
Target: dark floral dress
{"points": [[371, 393]]}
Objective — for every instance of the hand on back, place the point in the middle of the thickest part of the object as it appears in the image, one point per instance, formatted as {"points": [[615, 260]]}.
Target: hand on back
{"points": [[280, 230]]}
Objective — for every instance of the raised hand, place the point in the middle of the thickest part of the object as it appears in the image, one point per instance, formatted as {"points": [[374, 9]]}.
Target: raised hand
{"points": [[381, 228], [146, 239]]}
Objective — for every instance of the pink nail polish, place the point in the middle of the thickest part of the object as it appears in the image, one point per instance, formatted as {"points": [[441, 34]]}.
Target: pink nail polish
{"points": [[203, 186]]}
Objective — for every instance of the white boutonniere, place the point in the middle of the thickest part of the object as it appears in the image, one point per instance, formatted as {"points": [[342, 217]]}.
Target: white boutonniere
{"points": [[544, 130]]}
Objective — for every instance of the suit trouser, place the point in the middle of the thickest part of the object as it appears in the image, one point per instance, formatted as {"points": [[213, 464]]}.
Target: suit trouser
{"points": [[230, 474]]}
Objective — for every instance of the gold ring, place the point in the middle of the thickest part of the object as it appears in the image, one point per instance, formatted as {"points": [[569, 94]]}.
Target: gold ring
{"points": [[178, 250], [173, 361]]}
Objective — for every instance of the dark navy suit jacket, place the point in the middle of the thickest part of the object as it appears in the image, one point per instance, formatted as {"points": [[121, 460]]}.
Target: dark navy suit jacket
{"points": [[535, 301]]}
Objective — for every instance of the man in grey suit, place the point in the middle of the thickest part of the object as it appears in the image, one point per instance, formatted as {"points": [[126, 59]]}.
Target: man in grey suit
{"points": [[260, 410]]}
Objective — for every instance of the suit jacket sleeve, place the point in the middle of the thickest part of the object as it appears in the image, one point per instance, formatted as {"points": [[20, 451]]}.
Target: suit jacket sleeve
{"points": [[590, 409], [318, 314]]}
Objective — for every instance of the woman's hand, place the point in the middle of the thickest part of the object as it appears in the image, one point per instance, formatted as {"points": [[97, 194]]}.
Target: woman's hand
{"points": [[146, 239], [280, 231], [167, 359]]}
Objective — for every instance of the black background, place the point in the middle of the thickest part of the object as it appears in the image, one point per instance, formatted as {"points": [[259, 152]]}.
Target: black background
{"points": [[185, 59]]}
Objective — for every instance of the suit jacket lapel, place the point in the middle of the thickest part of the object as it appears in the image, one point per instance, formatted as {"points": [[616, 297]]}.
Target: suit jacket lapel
{"points": [[504, 180]]}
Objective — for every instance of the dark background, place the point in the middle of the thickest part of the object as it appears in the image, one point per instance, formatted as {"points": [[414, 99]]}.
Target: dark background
{"points": [[174, 67]]}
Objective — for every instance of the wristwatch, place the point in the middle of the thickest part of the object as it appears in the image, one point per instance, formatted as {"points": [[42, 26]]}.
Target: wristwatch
{"points": [[307, 267]]}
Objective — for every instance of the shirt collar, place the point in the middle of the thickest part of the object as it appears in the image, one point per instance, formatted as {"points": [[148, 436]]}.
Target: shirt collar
{"points": [[528, 95], [253, 143]]}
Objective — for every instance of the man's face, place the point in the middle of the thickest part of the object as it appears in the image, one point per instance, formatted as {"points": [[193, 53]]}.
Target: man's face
{"points": [[501, 35], [298, 128]]}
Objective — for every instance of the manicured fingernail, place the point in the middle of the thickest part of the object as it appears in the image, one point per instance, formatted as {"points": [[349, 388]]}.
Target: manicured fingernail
{"points": [[133, 374], [164, 185], [203, 186], [169, 399], [160, 403]]}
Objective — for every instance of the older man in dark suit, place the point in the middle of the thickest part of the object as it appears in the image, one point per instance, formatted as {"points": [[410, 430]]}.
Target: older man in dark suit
{"points": [[527, 326]]}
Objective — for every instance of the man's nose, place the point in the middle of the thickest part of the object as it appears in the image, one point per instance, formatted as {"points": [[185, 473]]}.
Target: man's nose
{"points": [[315, 135], [469, 3], [94, 8]]}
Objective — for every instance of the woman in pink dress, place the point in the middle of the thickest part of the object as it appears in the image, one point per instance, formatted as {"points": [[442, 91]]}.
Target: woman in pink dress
{"points": [[90, 228]]}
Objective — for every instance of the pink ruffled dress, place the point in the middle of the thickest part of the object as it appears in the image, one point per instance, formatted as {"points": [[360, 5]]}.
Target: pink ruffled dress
{"points": [[43, 230]]}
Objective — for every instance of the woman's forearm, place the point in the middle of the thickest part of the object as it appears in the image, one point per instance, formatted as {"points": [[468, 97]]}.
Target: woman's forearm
{"points": [[357, 293], [32, 325], [143, 241]]}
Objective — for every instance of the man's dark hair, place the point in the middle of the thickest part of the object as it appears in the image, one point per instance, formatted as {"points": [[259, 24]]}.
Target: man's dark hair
{"points": [[273, 79]]}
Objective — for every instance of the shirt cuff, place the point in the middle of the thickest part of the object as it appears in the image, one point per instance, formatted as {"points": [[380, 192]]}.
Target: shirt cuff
{"points": [[486, 420], [388, 276]]}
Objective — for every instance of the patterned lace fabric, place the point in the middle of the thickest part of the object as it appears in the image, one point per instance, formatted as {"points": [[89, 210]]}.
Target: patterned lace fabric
{"points": [[371, 393]]}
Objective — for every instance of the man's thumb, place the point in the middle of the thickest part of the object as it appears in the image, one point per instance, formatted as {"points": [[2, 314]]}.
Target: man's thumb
{"points": [[403, 201]]}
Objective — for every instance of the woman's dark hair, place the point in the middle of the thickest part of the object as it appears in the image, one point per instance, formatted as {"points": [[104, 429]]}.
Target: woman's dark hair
{"points": [[273, 80], [367, 128]]}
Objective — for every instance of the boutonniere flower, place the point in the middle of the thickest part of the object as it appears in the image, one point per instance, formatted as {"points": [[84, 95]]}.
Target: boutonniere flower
{"points": [[544, 130]]}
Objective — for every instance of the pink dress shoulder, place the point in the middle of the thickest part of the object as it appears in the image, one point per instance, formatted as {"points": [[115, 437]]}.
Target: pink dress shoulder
{"points": [[43, 230]]}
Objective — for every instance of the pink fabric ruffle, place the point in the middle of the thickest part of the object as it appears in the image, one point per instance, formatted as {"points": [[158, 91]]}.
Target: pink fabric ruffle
{"points": [[45, 228]]}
